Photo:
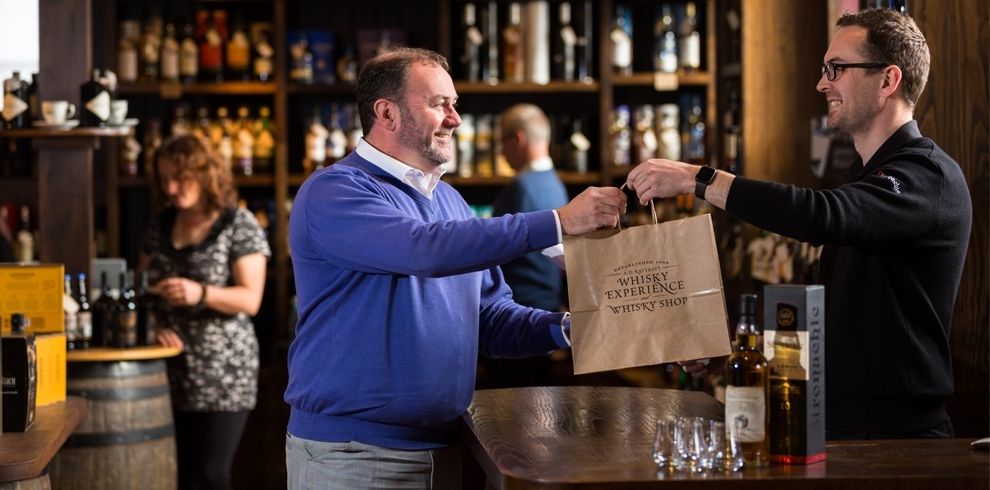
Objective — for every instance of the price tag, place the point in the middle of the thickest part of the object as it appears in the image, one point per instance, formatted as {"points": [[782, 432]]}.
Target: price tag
{"points": [[665, 82], [170, 90]]}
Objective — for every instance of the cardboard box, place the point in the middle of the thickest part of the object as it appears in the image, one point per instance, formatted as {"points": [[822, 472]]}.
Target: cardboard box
{"points": [[19, 381], [35, 290], [794, 345], [51, 368]]}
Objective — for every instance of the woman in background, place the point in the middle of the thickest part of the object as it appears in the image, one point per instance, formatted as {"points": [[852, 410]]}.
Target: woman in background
{"points": [[206, 259]]}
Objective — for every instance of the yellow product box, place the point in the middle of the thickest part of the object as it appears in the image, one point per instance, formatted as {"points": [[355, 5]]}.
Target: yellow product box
{"points": [[51, 368], [35, 290]]}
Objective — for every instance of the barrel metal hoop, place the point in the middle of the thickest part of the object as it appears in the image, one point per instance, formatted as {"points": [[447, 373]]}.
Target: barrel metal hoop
{"points": [[120, 393], [114, 438], [118, 369]]}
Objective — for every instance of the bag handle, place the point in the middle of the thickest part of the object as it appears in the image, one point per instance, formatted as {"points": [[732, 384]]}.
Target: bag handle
{"points": [[653, 209]]}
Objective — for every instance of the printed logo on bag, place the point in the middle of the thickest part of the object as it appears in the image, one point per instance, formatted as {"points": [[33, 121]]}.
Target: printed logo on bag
{"points": [[644, 286]]}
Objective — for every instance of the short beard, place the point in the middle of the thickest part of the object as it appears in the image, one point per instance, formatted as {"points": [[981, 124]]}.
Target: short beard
{"points": [[424, 146]]}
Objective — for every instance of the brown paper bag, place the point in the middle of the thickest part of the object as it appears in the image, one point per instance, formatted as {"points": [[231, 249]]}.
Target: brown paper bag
{"points": [[645, 295]]}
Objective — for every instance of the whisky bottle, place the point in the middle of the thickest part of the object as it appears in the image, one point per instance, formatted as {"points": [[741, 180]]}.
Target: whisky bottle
{"points": [[669, 140], [645, 139], [24, 238], [152, 141], [621, 40], [512, 47], [238, 55], [473, 39], [665, 49], [620, 136], [316, 144], [84, 316], [489, 22], [747, 389], [564, 56], [188, 55], [690, 40], [127, 55], [69, 310], [580, 144], [150, 49], [170, 55], [243, 142], [147, 319], [730, 123], [125, 325], [95, 102], [788, 389], [210, 51], [337, 139], [15, 103], [264, 141], [694, 134], [104, 311], [583, 50]]}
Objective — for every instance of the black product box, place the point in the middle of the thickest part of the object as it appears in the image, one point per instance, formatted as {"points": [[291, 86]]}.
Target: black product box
{"points": [[19, 360], [794, 345]]}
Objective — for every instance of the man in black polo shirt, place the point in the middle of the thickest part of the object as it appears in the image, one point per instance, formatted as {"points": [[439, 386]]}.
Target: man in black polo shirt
{"points": [[895, 234]]}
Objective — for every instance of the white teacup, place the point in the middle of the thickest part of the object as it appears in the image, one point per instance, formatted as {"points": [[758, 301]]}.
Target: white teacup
{"points": [[118, 112], [57, 111]]}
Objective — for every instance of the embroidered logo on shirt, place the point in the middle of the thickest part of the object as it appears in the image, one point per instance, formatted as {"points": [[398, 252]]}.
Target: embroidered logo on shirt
{"points": [[895, 184]]}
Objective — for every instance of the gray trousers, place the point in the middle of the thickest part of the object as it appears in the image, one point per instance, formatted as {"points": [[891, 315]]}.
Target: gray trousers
{"points": [[352, 465]]}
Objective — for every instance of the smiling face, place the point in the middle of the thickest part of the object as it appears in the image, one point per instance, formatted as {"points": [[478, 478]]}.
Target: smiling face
{"points": [[428, 117], [853, 97]]}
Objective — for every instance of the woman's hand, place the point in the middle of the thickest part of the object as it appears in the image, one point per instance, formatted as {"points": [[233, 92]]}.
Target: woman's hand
{"points": [[169, 338], [179, 291]]}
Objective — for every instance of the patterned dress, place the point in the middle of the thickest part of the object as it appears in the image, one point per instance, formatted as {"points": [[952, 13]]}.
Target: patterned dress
{"points": [[218, 370]]}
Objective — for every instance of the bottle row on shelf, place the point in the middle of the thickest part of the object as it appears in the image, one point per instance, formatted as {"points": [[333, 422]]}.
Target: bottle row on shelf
{"points": [[663, 131], [245, 143], [206, 49]]}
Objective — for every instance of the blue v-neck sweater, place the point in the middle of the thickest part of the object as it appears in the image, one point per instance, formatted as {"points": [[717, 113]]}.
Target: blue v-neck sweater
{"points": [[396, 295]]}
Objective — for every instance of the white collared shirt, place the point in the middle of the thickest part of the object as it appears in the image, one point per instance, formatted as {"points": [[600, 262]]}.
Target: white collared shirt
{"points": [[423, 182]]}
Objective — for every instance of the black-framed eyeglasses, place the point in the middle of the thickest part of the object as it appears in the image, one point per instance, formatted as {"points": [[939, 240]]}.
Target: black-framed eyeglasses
{"points": [[832, 70]]}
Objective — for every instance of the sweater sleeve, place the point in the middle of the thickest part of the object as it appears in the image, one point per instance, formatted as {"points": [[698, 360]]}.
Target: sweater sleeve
{"points": [[352, 222], [508, 329], [897, 201]]}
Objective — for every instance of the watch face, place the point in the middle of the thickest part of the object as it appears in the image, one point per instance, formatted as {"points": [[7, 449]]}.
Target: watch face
{"points": [[705, 175]]}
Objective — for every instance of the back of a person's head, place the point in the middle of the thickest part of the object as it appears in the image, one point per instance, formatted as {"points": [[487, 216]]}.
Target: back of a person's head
{"points": [[529, 119], [195, 159], [384, 77], [894, 38]]}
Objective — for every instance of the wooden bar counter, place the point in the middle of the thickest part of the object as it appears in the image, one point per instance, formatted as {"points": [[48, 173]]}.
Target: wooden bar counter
{"points": [[24, 455], [601, 437]]}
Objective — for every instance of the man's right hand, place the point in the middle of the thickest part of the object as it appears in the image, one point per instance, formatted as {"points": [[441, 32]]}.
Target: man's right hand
{"points": [[596, 207]]}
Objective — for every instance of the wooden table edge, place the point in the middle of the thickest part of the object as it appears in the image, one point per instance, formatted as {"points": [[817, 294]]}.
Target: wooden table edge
{"points": [[53, 424]]}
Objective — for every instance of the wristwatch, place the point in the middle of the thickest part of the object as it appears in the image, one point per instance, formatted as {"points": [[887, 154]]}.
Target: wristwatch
{"points": [[704, 178]]}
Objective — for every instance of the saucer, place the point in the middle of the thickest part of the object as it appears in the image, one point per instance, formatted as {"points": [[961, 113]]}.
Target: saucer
{"points": [[64, 125], [128, 123]]}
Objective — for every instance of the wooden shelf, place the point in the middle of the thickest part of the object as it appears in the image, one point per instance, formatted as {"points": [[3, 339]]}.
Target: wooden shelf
{"points": [[44, 133], [24, 455], [555, 86], [264, 180], [321, 88], [175, 90], [693, 79]]}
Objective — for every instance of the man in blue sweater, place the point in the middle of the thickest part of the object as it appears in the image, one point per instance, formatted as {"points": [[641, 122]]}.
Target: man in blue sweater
{"points": [[895, 234], [535, 280], [399, 288]]}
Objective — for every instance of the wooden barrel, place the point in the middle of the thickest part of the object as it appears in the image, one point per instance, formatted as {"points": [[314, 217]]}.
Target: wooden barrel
{"points": [[127, 437]]}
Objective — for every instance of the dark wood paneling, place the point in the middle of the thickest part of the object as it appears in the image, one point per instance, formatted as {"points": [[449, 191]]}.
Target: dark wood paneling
{"points": [[954, 112]]}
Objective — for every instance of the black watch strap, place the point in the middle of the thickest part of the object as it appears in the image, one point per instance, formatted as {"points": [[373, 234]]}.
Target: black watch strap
{"points": [[704, 177]]}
